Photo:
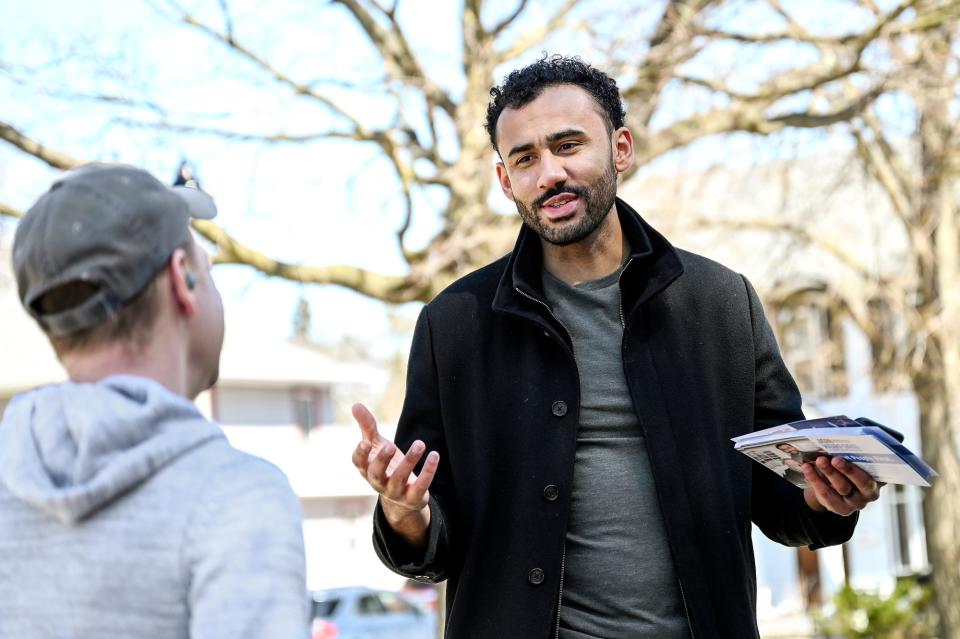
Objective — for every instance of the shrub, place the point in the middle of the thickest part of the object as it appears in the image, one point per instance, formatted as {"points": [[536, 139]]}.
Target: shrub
{"points": [[907, 613]]}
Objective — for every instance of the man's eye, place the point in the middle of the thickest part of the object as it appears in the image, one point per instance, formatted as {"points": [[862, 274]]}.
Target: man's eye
{"points": [[566, 146], [524, 159]]}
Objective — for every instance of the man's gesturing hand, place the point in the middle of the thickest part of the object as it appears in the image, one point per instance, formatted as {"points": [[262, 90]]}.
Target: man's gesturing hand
{"points": [[403, 494]]}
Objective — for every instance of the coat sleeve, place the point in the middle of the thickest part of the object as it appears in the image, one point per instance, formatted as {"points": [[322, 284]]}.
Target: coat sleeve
{"points": [[421, 419], [778, 507]]}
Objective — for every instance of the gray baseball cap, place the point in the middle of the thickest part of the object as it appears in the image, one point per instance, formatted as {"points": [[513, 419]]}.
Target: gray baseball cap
{"points": [[109, 225]]}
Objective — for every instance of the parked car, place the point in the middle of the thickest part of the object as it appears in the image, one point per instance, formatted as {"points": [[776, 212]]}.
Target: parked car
{"points": [[424, 595], [365, 613]]}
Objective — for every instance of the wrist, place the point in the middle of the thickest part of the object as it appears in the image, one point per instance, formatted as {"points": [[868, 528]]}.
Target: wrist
{"points": [[411, 525]]}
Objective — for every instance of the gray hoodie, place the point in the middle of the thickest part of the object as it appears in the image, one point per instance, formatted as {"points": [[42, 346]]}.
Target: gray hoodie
{"points": [[123, 513]]}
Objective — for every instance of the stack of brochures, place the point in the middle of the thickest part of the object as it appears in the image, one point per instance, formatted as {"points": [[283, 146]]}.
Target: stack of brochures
{"points": [[871, 446]]}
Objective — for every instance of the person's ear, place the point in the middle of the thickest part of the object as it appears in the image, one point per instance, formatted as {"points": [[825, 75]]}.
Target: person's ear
{"points": [[182, 282], [504, 180], [622, 145]]}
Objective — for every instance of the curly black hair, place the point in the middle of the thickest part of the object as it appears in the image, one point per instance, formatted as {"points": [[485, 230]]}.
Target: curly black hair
{"points": [[523, 86]]}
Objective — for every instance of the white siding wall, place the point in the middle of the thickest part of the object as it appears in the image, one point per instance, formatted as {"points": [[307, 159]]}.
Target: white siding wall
{"points": [[338, 537], [254, 406]]}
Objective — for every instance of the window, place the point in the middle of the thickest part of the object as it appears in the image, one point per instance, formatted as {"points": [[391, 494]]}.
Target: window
{"points": [[910, 553], [811, 339], [305, 408], [393, 603], [311, 407], [325, 608], [370, 605]]}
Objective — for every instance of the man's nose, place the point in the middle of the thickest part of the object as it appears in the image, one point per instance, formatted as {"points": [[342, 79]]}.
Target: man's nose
{"points": [[552, 171]]}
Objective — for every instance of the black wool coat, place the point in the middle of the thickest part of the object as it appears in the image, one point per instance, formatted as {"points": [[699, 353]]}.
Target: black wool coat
{"points": [[493, 387]]}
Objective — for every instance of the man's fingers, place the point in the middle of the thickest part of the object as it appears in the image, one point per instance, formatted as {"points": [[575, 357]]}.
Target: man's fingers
{"points": [[825, 493], [868, 489], [367, 423], [377, 469], [427, 473], [398, 475], [361, 457], [836, 479]]}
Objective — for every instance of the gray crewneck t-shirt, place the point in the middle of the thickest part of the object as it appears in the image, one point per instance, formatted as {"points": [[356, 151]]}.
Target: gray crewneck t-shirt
{"points": [[619, 580]]}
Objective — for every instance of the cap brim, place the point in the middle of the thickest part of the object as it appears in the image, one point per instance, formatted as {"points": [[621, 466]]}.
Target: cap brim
{"points": [[199, 204]]}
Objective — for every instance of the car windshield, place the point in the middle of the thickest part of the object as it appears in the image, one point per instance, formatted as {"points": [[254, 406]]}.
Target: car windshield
{"points": [[325, 608]]}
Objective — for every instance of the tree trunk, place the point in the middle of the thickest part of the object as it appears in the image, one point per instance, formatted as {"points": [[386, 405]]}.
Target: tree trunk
{"points": [[936, 380], [942, 501]]}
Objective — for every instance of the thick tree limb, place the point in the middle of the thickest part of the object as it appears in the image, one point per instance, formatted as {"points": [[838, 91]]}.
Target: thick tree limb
{"points": [[747, 118], [395, 289], [806, 79], [677, 19], [880, 162], [54, 158], [876, 156], [9, 211], [389, 288]]}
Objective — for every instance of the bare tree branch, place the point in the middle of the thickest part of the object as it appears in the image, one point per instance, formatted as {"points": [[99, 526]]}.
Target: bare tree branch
{"points": [[298, 87], [227, 19], [401, 63], [748, 118], [54, 158], [886, 23], [538, 35], [671, 45], [60, 93], [799, 231], [248, 136], [828, 69], [506, 22], [806, 79], [880, 160]]}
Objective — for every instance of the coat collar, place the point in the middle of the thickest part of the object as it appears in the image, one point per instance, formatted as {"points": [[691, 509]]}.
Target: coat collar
{"points": [[653, 265]]}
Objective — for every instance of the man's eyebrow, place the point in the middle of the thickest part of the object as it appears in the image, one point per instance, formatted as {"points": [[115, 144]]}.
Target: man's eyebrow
{"points": [[566, 133], [520, 149], [553, 137]]}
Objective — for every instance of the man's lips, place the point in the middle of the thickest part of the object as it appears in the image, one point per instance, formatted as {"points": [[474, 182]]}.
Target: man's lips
{"points": [[560, 206]]}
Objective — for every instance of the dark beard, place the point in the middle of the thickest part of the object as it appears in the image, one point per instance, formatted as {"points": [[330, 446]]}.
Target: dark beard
{"points": [[598, 198]]}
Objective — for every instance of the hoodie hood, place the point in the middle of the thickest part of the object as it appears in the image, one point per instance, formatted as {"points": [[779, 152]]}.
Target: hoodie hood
{"points": [[71, 448]]}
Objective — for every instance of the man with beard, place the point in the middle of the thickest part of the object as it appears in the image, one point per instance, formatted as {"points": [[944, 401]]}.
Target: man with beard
{"points": [[578, 398]]}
